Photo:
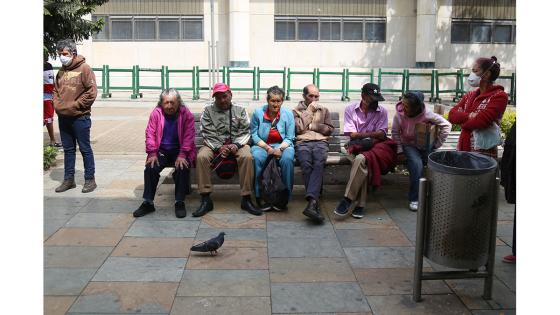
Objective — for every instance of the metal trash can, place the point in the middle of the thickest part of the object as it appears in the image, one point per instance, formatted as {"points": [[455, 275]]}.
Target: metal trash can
{"points": [[459, 208]]}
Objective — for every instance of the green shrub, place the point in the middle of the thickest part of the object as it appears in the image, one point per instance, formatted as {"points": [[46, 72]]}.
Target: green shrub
{"points": [[453, 126], [49, 156]]}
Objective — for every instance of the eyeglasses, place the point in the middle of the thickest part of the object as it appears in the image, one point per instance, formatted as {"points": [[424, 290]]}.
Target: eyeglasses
{"points": [[312, 96]]}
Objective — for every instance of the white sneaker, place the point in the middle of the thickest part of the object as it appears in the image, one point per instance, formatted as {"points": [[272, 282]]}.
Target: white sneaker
{"points": [[413, 206]]}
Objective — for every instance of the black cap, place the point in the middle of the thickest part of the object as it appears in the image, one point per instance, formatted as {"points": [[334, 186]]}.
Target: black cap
{"points": [[373, 90]]}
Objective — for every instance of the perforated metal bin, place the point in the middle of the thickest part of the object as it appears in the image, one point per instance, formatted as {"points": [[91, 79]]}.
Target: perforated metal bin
{"points": [[460, 208]]}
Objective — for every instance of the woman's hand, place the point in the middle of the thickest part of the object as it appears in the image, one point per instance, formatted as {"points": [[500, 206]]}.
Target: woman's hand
{"points": [[277, 152], [152, 160], [181, 163]]}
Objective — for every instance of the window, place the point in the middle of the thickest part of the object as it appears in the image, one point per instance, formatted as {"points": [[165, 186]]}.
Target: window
{"points": [[169, 29], [285, 30], [144, 28], [329, 29], [308, 30], [475, 31]]}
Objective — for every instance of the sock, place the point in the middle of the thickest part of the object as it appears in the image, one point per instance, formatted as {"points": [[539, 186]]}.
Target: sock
{"points": [[149, 201]]}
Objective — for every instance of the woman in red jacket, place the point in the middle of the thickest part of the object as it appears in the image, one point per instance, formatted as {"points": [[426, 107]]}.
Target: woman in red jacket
{"points": [[481, 108]]}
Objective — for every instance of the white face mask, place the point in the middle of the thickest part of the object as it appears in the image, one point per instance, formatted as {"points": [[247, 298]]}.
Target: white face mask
{"points": [[473, 80], [65, 60]]}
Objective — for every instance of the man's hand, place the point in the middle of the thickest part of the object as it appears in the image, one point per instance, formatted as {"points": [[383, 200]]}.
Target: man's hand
{"points": [[224, 150], [232, 149], [314, 106], [181, 163], [152, 160], [379, 135]]}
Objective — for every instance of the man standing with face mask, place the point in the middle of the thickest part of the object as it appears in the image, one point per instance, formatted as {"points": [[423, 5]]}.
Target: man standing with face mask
{"points": [[363, 120], [74, 92]]}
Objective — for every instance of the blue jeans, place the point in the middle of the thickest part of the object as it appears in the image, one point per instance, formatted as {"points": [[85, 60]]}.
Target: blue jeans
{"points": [[415, 160], [72, 130], [286, 166]]}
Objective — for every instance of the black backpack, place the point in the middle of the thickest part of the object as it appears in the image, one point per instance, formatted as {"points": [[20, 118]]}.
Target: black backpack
{"points": [[273, 190]]}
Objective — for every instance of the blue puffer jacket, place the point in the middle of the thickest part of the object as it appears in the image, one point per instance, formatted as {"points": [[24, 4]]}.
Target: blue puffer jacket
{"points": [[260, 127]]}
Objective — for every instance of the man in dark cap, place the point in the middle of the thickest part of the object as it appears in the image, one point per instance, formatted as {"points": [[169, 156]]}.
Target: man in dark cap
{"points": [[363, 120]]}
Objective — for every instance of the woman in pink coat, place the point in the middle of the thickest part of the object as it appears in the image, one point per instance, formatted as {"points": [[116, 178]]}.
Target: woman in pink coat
{"points": [[409, 112]]}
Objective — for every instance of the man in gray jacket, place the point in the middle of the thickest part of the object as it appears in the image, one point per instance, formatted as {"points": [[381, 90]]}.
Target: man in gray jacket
{"points": [[225, 131]]}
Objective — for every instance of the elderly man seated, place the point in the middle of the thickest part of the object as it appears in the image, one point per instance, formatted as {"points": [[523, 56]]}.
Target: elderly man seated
{"points": [[170, 138]]}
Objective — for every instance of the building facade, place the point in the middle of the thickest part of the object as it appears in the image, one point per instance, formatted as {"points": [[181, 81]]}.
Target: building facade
{"points": [[304, 33]]}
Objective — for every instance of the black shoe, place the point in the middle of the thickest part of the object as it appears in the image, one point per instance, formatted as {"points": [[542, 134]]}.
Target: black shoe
{"points": [[279, 208], [265, 206], [144, 209], [358, 212], [343, 206], [206, 205], [180, 210], [313, 211], [248, 206], [66, 184]]}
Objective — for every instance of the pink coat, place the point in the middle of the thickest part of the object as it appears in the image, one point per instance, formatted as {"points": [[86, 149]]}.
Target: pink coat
{"points": [[185, 125], [403, 131]]}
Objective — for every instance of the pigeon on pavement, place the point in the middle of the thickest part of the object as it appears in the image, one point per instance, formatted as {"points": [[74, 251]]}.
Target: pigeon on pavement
{"points": [[210, 245]]}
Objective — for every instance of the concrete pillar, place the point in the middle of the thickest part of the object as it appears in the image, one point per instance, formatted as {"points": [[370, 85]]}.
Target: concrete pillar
{"points": [[426, 23], [239, 45]]}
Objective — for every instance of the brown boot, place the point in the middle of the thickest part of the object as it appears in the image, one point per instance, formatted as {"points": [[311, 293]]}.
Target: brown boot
{"points": [[66, 184], [89, 185]]}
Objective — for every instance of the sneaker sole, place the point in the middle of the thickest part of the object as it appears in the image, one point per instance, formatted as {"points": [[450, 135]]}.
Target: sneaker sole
{"points": [[357, 216], [340, 214]]}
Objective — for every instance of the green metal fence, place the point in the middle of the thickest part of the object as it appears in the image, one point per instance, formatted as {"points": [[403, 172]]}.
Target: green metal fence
{"points": [[287, 76]]}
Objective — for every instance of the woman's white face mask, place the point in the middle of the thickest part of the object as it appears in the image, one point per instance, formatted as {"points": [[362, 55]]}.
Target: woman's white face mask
{"points": [[474, 80]]}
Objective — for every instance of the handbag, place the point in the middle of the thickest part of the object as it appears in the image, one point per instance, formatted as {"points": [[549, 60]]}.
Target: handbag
{"points": [[226, 167], [487, 138], [273, 189]]}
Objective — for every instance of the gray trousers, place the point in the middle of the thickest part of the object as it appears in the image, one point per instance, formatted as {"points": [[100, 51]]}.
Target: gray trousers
{"points": [[312, 156]]}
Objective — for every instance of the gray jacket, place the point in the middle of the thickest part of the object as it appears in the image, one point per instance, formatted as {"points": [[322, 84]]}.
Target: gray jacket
{"points": [[215, 126]]}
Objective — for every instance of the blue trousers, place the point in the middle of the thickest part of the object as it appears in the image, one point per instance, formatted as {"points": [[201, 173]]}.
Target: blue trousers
{"points": [[72, 130], [415, 160], [312, 156], [286, 166]]}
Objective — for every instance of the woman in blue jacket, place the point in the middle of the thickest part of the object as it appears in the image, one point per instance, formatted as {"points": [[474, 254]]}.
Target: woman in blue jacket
{"points": [[273, 132]]}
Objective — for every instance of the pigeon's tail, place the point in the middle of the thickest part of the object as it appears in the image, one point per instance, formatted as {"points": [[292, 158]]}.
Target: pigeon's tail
{"points": [[200, 248]]}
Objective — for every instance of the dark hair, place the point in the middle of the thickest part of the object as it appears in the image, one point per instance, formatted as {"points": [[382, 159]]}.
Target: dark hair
{"points": [[274, 90], [69, 43], [491, 65], [416, 101]]}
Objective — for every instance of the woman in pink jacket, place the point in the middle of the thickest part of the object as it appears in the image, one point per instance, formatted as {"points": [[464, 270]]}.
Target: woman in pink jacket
{"points": [[409, 112], [170, 138]]}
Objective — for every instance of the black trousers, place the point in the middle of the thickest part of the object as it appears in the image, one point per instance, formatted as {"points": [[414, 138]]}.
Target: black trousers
{"points": [[312, 156], [181, 177]]}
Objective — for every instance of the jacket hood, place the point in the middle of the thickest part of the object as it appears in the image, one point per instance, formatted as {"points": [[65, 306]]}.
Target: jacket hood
{"points": [[400, 111], [491, 90], [77, 61]]}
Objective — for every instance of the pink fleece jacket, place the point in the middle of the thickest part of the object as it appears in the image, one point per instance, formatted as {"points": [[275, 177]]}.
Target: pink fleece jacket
{"points": [[185, 125], [403, 131]]}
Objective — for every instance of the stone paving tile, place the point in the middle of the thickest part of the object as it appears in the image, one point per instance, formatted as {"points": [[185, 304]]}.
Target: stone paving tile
{"points": [[50, 226], [447, 304], [504, 241], [310, 270], [389, 281], [85, 237], [66, 281], [153, 247], [57, 305], [113, 205], [294, 214], [233, 221], [144, 228], [59, 213], [493, 312], [165, 211], [126, 297], [317, 297], [136, 184], [141, 269], [470, 292], [504, 271], [377, 218], [221, 306], [224, 283], [380, 257], [66, 203], [75, 256], [304, 247], [300, 229], [504, 228], [372, 237], [100, 220], [230, 258], [232, 234]]}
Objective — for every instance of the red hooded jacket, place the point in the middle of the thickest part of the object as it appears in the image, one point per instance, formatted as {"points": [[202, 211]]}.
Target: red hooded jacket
{"points": [[489, 107]]}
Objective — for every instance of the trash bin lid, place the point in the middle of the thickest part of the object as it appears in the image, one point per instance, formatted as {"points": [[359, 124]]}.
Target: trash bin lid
{"points": [[461, 163]]}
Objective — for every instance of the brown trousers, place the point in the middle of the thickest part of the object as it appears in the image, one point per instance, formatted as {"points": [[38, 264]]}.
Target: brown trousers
{"points": [[244, 168], [356, 188]]}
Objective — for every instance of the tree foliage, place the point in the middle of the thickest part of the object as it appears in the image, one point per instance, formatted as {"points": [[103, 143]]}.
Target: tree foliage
{"points": [[64, 19]]}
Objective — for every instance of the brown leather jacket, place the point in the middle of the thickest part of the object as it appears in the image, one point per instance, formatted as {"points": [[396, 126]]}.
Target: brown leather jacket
{"points": [[75, 89]]}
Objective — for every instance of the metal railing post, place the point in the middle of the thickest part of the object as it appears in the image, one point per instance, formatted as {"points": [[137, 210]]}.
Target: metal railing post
{"points": [[255, 90], [405, 78], [163, 77], [379, 78], [289, 84], [166, 77]]}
